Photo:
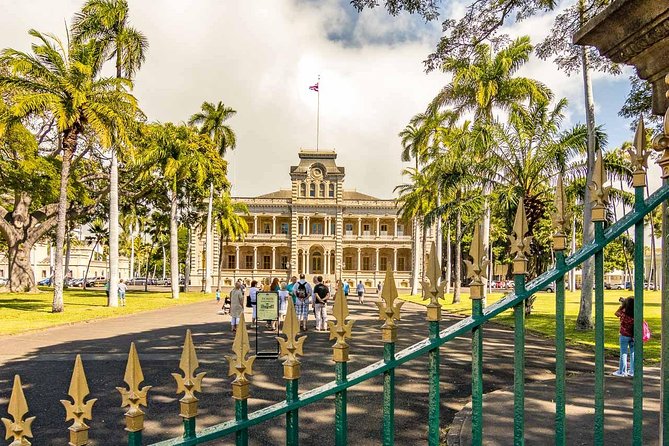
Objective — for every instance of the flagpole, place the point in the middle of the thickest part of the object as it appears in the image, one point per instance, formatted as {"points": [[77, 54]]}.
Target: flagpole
{"points": [[318, 112]]}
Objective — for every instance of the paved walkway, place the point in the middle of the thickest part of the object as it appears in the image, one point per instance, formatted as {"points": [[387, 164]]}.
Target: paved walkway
{"points": [[44, 360]]}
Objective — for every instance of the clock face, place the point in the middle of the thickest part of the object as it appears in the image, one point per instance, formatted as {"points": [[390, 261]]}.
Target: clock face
{"points": [[316, 172]]}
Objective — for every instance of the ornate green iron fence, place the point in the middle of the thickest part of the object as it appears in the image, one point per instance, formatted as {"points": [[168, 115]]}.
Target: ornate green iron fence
{"points": [[241, 364]]}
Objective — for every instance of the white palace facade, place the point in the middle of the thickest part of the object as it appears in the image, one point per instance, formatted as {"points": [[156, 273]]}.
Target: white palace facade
{"points": [[317, 228]]}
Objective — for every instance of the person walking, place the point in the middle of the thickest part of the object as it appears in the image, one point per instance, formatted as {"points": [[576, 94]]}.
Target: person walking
{"points": [[122, 287], [626, 315], [321, 296], [253, 296], [360, 289], [284, 295], [290, 288], [303, 293], [236, 305], [379, 287], [347, 289], [218, 295]]}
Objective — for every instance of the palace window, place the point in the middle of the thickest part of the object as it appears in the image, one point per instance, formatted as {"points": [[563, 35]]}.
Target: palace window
{"points": [[249, 262], [348, 263], [284, 228], [231, 262], [383, 263], [384, 229], [400, 264], [321, 190], [266, 262], [333, 228], [303, 190], [312, 190], [331, 191], [366, 264], [366, 229], [316, 263], [400, 229], [317, 228], [267, 228], [284, 262], [349, 228]]}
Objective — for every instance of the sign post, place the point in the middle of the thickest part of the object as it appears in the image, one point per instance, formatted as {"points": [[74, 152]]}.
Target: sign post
{"points": [[268, 310]]}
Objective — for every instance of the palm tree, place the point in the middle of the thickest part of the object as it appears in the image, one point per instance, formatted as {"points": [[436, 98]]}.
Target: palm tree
{"points": [[175, 155], [98, 234], [107, 21], [211, 121], [64, 81], [230, 225]]}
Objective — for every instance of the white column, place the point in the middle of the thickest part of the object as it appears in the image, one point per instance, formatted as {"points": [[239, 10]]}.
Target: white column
{"points": [[273, 258], [377, 259], [255, 225], [394, 259], [327, 225], [359, 228], [236, 258], [306, 225], [395, 230], [306, 261], [255, 258], [273, 225], [378, 226], [358, 266], [326, 263]]}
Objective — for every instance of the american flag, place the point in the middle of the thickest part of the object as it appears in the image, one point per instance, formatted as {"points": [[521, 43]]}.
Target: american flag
{"points": [[314, 87]]}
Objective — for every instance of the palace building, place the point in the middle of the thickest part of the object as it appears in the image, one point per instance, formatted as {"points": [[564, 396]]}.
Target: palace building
{"points": [[316, 227]]}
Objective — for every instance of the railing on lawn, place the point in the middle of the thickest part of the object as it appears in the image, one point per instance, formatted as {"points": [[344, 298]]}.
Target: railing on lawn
{"points": [[79, 410]]}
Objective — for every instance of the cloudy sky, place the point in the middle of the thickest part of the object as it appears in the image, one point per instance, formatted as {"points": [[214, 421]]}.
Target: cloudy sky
{"points": [[260, 57]]}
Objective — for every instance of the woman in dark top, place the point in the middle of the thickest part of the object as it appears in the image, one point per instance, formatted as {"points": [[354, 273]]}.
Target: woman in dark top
{"points": [[626, 315]]}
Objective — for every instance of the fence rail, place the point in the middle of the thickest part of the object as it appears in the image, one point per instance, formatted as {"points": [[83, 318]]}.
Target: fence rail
{"points": [[134, 396]]}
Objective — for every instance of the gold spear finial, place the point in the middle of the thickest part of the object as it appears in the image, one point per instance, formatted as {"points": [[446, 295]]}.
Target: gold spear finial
{"points": [[476, 267], [341, 330], [189, 383], [600, 193], [78, 410], [389, 311], [291, 346], [19, 429], [561, 217], [434, 289], [240, 365], [661, 141], [520, 243], [639, 155], [134, 397]]}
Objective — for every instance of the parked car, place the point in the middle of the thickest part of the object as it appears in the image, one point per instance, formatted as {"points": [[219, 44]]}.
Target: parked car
{"points": [[618, 286], [549, 288], [45, 282], [137, 281]]}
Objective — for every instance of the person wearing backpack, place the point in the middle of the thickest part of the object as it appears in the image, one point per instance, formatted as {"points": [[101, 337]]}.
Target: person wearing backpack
{"points": [[303, 292]]}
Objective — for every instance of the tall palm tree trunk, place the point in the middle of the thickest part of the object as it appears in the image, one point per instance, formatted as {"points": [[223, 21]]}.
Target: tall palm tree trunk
{"points": [[220, 261], [113, 231], [415, 271], [174, 245], [572, 272], [69, 145], [458, 257], [132, 252], [68, 249], [449, 265], [164, 261], [209, 259], [584, 318], [439, 238], [423, 250], [88, 266]]}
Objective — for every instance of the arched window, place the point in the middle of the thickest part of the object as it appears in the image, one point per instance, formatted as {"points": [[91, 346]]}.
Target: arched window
{"points": [[312, 190], [317, 263], [303, 190], [321, 190], [331, 191]]}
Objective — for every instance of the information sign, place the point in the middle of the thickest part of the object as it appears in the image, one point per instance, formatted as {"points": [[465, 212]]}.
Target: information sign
{"points": [[268, 306]]}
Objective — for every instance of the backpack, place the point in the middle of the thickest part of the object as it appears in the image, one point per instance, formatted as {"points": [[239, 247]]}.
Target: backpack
{"points": [[301, 290], [646, 332]]}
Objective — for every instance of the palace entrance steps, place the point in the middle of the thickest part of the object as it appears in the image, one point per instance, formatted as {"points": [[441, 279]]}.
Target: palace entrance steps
{"points": [[44, 359]]}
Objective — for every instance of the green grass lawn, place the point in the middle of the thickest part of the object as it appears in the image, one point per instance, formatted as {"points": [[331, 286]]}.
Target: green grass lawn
{"points": [[31, 311], [542, 319]]}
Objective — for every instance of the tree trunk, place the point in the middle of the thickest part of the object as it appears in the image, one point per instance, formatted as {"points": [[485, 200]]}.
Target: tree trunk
{"points": [[584, 319], [449, 265], [439, 239], [21, 274], [164, 261], [422, 259], [458, 258], [415, 271], [132, 252], [174, 245], [187, 264], [486, 236], [572, 272], [88, 266], [220, 261], [113, 230], [68, 250], [209, 247], [69, 146]]}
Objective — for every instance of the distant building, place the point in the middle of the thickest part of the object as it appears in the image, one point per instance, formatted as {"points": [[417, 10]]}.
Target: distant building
{"points": [[317, 228]]}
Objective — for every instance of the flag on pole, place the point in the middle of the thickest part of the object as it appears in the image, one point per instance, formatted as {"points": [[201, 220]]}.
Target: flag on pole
{"points": [[314, 87]]}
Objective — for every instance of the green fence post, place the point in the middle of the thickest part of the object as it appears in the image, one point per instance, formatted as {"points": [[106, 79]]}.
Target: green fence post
{"points": [[433, 290], [600, 194], [291, 346], [561, 219], [340, 330], [520, 245], [389, 312], [241, 414], [475, 270]]}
